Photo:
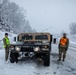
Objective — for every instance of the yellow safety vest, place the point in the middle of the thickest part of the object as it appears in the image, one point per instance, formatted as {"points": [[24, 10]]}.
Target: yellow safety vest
{"points": [[63, 41], [7, 42]]}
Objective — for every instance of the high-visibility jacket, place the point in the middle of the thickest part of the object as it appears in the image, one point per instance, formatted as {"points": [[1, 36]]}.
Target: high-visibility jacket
{"points": [[6, 42], [63, 41]]}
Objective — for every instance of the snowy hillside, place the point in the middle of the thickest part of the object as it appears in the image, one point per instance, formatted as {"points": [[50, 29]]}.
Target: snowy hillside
{"points": [[36, 67]]}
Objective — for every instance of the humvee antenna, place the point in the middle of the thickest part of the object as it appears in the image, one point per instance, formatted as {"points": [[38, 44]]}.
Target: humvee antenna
{"points": [[46, 29]]}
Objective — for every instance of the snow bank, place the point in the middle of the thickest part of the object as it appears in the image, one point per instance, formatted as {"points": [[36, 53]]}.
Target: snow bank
{"points": [[33, 67]]}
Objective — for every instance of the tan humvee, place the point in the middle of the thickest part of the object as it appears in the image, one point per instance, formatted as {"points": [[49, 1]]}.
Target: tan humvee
{"points": [[39, 44]]}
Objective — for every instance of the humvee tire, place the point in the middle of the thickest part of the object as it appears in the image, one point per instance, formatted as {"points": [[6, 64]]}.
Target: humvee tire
{"points": [[47, 60], [13, 57], [11, 60]]}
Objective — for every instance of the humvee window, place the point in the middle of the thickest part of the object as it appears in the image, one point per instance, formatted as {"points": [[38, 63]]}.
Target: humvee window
{"points": [[39, 37], [27, 37]]}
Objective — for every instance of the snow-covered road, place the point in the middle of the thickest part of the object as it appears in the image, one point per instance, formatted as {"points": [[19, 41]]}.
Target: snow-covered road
{"points": [[32, 67]]}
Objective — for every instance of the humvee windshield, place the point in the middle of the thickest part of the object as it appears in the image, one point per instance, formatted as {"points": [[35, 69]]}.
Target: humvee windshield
{"points": [[41, 37], [27, 37]]}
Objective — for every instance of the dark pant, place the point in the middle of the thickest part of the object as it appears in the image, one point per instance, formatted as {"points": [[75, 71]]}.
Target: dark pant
{"points": [[6, 53], [62, 52]]}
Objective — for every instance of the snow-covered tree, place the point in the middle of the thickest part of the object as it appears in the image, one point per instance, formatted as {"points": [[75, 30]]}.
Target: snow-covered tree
{"points": [[34, 30], [13, 17], [3, 5], [27, 28], [73, 28]]}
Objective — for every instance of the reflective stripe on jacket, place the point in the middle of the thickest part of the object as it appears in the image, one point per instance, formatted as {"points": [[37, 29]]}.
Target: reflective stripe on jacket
{"points": [[63, 41]]}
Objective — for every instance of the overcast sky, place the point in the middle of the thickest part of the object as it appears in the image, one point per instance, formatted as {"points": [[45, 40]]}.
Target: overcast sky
{"points": [[57, 14]]}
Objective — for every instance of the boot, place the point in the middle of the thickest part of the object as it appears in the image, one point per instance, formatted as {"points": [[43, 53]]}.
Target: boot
{"points": [[63, 59], [59, 60]]}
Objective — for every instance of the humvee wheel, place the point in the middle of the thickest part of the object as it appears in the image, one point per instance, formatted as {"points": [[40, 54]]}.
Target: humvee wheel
{"points": [[11, 60], [47, 60], [13, 57]]}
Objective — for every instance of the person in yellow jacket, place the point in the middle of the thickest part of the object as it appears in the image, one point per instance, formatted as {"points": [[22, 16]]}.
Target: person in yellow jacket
{"points": [[6, 42], [63, 47]]}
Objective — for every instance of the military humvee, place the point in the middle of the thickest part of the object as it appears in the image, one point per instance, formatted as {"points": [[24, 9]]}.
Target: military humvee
{"points": [[33, 45]]}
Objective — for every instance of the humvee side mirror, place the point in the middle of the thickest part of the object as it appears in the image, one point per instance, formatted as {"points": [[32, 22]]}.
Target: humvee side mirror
{"points": [[14, 39], [55, 40]]}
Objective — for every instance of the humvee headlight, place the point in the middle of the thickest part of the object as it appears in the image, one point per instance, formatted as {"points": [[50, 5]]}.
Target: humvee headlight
{"points": [[17, 48], [46, 46], [36, 49]]}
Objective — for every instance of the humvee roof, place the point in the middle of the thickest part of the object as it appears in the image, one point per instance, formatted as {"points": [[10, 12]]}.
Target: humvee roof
{"points": [[34, 35]]}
